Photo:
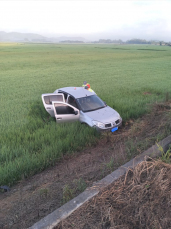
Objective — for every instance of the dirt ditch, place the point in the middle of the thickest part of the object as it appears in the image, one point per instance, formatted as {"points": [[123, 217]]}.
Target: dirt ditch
{"points": [[34, 198]]}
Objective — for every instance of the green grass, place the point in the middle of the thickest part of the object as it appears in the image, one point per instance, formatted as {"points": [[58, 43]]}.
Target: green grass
{"points": [[166, 156], [30, 140]]}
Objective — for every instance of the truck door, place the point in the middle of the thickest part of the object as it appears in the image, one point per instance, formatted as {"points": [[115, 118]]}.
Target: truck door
{"points": [[48, 99], [65, 112]]}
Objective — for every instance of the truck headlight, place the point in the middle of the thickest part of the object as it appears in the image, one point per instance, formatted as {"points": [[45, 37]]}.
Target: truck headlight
{"points": [[99, 124]]}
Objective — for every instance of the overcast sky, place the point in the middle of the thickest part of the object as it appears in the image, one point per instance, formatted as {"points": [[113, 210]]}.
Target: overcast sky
{"points": [[90, 19]]}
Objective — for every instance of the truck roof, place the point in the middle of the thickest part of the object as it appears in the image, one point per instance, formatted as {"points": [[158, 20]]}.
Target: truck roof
{"points": [[76, 92]]}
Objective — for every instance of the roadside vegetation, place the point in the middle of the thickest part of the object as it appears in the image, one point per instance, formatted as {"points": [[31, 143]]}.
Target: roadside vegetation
{"points": [[127, 78], [139, 199]]}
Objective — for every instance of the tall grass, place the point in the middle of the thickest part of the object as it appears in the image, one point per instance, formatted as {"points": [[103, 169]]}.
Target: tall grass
{"points": [[128, 78], [39, 144]]}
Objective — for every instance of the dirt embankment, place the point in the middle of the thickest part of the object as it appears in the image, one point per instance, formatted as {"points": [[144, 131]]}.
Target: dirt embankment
{"points": [[140, 199], [34, 198]]}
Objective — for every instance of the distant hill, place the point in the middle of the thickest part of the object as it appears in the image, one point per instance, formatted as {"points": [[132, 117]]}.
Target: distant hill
{"points": [[18, 37], [32, 37]]}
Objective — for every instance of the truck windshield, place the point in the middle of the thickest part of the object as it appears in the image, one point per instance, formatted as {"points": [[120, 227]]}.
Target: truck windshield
{"points": [[90, 103]]}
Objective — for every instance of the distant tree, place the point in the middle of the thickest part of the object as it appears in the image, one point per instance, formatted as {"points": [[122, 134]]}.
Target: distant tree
{"points": [[138, 41], [110, 41]]}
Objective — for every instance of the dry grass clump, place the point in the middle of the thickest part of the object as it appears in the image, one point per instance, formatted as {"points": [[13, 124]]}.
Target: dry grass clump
{"points": [[141, 199]]}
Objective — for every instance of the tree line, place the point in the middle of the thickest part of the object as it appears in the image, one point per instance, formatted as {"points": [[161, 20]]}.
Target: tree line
{"points": [[133, 41]]}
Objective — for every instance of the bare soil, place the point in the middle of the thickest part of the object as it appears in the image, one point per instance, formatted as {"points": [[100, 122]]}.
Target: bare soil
{"points": [[34, 198]]}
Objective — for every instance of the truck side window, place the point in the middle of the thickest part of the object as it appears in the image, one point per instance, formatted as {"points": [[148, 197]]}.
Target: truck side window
{"points": [[63, 109], [72, 101]]}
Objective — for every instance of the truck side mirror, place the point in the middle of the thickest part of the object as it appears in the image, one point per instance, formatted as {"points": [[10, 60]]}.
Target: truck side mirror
{"points": [[76, 112]]}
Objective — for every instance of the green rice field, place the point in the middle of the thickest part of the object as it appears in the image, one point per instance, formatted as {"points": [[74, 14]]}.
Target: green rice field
{"points": [[127, 77]]}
